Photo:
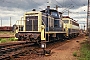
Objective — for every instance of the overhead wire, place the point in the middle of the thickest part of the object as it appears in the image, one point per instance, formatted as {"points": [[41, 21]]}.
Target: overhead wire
{"points": [[59, 3], [66, 9], [39, 4], [78, 5], [35, 2], [75, 3]]}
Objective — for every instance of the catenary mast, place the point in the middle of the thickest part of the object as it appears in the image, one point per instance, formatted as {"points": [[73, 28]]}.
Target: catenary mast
{"points": [[88, 18]]}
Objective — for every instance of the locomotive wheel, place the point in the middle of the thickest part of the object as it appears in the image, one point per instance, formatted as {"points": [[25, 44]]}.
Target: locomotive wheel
{"points": [[61, 39], [22, 39]]}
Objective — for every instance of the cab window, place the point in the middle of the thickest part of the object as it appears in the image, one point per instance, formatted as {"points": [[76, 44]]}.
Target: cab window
{"points": [[66, 21], [54, 14]]}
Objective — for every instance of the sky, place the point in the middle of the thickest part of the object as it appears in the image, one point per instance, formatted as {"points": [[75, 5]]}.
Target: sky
{"points": [[16, 9]]}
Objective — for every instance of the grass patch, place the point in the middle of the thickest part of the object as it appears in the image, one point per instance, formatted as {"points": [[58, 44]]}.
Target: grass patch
{"points": [[12, 39], [85, 51], [0, 39], [3, 40], [75, 54]]}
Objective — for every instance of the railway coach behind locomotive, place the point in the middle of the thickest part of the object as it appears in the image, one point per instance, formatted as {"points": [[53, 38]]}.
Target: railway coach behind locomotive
{"points": [[71, 27], [41, 26]]}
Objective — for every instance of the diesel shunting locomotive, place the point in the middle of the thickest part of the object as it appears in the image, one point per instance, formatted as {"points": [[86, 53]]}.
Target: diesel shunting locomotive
{"points": [[42, 26]]}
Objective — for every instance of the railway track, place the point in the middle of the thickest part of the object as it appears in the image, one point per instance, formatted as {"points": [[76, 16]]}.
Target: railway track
{"points": [[22, 48], [59, 43], [12, 50], [7, 35], [56, 44]]}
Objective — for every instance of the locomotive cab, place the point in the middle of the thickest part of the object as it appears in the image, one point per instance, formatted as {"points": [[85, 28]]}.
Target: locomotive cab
{"points": [[58, 24]]}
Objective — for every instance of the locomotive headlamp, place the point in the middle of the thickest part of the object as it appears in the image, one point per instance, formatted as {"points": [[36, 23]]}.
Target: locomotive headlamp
{"points": [[43, 45], [42, 26]]}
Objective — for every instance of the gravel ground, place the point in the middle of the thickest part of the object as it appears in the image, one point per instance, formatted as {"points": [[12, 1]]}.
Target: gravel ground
{"points": [[62, 52]]}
